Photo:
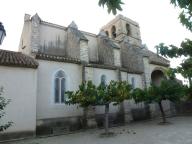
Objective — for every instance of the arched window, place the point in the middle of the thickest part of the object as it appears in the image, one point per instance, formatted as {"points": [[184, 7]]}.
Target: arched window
{"points": [[128, 29], [133, 82], [59, 90], [107, 33], [113, 32], [103, 80]]}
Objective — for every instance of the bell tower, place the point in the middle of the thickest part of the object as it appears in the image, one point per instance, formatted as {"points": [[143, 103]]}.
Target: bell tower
{"points": [[121, 27]]}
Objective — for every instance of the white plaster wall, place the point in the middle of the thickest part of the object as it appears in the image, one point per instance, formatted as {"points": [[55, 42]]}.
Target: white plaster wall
{"points": [[138, 80], [124, 76], [46, 108], [129, 104], [127, 77], [20, 86], [110, 75]]}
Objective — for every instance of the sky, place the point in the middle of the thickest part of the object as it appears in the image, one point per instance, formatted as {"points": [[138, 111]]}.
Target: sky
{"points": [[158, 19]]}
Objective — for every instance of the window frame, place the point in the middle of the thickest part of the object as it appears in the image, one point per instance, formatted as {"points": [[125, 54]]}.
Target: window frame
{"points": [[60, 78], [113, 32], [103, 79], [128, 29], [133, 82]]}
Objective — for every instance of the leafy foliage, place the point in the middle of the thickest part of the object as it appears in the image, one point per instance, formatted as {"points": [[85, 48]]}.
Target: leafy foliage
{"points": [[185, 49], [112, 5], [184, 5], [186, 13], [3, 104], [114, 92], [88, 94], [168, 90], [172, 51], [188, 93], [140, 95]]}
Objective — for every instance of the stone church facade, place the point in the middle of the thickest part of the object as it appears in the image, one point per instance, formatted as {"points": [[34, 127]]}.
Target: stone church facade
{"points": [[53, 59]]}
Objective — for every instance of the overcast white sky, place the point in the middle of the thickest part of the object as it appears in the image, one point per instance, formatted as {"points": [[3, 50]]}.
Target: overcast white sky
{"points": [[158, 19]]}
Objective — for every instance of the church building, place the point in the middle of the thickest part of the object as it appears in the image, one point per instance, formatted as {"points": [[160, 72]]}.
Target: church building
{"points": [[53, 59]]}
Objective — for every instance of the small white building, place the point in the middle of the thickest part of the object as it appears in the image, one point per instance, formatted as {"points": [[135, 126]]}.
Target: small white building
{"points": [[53, 59]]}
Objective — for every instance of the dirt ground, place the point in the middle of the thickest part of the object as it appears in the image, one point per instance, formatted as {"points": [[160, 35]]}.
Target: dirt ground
{"points": [[148, 132]]}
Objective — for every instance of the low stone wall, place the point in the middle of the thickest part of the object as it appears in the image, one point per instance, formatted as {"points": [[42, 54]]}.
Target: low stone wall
{"points": [[183, 108], [16, 135], [141, 113], [70, 124], [59, 125]]}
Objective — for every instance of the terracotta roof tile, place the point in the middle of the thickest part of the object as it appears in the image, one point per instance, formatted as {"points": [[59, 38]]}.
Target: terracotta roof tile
{"points": [[16, 59], [49, 57]]}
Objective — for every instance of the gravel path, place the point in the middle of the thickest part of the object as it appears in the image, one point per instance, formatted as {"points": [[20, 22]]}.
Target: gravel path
{"points": [[178, 132]]}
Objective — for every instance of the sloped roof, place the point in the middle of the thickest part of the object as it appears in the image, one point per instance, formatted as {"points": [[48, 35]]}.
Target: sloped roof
{"points": [[78, 33], [16, 59], [154, 58], [131, 58], [49, 57]]}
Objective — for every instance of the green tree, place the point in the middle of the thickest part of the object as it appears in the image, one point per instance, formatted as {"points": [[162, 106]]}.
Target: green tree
{"points": [[186, 12], [112, 5], [3, 104], [184, 5], [90, 95], [185, 48], [85, 96], [168, 90], [115, 92]]}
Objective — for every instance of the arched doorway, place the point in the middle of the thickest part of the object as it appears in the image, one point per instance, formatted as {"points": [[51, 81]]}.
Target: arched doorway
{"points": [[157, 76]]}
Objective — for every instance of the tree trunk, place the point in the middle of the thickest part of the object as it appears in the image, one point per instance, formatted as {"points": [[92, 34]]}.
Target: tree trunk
{"points": [[190, 82], [162, 112], [85, 117], [107, 118]]}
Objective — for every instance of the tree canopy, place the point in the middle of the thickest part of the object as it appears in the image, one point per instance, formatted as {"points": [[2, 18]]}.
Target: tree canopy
{"points": [[90, 95], [185, 48], [168, 90], [186, 12], [112, 5], [184, 16], [85, 96]]}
